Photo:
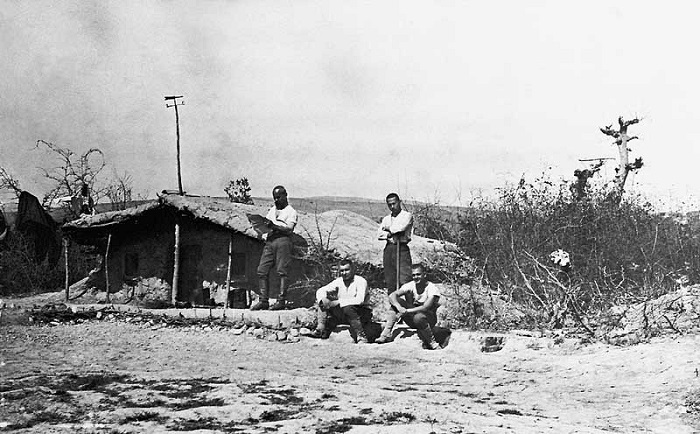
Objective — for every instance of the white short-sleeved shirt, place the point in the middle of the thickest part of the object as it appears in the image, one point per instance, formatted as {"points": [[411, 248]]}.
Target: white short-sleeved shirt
{"points": [[402, 223], [412, 296], [286, 216]]}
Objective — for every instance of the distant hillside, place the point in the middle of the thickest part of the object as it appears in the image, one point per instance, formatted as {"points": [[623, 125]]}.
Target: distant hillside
{"points": [[373, 208]]}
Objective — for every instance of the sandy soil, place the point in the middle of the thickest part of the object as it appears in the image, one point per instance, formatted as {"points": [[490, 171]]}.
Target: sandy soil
{"points": [[120, 377]]}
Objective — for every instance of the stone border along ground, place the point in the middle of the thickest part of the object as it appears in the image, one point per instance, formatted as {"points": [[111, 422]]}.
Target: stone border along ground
{"points": [[251, 323], [288, 327]]}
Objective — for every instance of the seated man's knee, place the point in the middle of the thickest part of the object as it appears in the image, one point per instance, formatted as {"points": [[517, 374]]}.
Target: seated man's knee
{"points": [[420, 320]]}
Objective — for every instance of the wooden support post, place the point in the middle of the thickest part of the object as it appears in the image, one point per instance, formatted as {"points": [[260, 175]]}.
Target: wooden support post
{"points": [[65, 255], [228, 270], [109, 242], [176, 268]]}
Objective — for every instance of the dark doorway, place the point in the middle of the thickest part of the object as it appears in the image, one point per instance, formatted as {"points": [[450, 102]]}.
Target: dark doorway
{"points": [[191, 274]]}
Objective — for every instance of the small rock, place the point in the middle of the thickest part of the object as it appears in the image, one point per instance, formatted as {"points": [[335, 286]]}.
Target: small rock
{"points": [[304, 331], [272, 337], [281, 336], [54, 323], [238, 331], [293, 339], [259, 333], [294, 332], [491, 344]]}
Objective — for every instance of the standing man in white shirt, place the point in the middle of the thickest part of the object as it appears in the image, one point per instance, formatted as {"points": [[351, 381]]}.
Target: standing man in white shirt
{"points": [[344, 301], [281, 219], [416, 302], [396, 230]]}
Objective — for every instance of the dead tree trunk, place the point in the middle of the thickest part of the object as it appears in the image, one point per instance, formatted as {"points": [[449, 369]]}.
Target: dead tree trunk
{"points": [[621, 140]]}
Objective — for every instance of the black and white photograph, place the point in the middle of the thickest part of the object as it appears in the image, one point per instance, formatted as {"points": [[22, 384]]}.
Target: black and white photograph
{"points": [[275, 216]]}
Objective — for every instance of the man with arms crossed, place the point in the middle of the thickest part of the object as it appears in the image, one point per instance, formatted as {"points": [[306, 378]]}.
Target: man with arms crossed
{"points": [[277, 251], [396, 229], [416, 302], [344, 301]]}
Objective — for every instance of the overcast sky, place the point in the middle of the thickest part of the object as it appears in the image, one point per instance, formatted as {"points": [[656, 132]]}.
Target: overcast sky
{"points": [[431, 99]]}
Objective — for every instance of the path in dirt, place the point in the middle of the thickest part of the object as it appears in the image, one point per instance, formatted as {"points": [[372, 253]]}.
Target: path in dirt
{"points": [[121, 377]]}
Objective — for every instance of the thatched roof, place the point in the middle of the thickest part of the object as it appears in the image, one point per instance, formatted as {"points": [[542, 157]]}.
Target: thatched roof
{"points": [[347, 233]]}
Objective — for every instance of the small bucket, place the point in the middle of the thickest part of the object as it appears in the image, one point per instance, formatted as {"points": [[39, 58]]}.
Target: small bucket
{"points": [[237, 298]]}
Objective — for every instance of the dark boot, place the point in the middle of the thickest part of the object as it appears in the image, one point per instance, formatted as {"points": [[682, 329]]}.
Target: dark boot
{"points": [[388, 327], [263, 303], [426, 336], [322, 319], [357, 331], [281, 303]]}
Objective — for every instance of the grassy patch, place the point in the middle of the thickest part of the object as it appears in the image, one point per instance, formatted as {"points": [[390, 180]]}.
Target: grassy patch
{"points": [[397, 417], [692, 401], [145, 416], [509, 411], [342, 425], [277, 414], [198, 402]]}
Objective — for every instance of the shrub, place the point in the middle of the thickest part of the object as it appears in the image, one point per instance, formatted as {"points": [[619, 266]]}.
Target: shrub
{"points": [[20, 274], [621, 250]]}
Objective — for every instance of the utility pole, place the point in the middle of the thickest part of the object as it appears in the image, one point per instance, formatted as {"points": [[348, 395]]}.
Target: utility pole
{"points": [[177, 129]]}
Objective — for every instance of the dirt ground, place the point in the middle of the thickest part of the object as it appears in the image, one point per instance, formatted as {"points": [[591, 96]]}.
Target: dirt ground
{"points": [[123, 377]]}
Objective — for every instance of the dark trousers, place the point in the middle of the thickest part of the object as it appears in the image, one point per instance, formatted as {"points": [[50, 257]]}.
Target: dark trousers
{"points": [[423, 322], [390, 266], [278, 252], [356, 316]]}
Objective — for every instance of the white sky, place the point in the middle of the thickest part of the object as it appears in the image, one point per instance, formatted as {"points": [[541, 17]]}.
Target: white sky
{"points": [[432, 98]]}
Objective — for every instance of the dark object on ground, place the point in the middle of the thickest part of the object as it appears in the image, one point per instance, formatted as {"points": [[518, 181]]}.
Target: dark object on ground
{"points": [[491, 344]]}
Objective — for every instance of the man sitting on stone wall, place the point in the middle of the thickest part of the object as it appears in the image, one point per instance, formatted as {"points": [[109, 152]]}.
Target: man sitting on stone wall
{"points": [[344, 301], [416, 304]]}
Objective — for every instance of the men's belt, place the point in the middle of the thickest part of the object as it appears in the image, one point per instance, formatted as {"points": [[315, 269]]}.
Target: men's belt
{"points": [[277, 236]]}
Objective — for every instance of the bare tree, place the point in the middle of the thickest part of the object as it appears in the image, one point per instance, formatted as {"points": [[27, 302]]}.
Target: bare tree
{"points": [[72, 173], [120, 191], [10, 182], [621, 141]]}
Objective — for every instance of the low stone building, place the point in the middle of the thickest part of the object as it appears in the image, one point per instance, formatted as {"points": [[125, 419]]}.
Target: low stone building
{"points": [[219, 244]]}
